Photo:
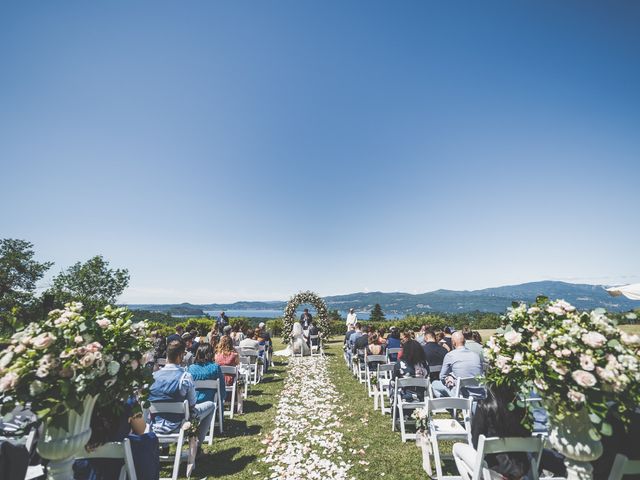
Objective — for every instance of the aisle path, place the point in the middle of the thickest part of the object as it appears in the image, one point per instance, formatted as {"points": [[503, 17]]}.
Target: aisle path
{"points": [[307, 441]]}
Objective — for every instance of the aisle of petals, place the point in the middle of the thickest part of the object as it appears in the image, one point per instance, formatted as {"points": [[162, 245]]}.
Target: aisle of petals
{"points": [[306, 442]]}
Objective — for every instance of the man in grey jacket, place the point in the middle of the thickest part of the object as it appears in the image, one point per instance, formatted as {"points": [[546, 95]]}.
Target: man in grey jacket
{"points": [[458, 363]]}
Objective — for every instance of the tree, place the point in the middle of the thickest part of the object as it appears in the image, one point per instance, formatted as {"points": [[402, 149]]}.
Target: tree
{"points": [[334, 316], [19, 273], [377, 315], [93, 283]]}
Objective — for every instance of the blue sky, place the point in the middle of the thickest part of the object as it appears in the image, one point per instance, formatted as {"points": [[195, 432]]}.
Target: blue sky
{"points": [[248, 150]]}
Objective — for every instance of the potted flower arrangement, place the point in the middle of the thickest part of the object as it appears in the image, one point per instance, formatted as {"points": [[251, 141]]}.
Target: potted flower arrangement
{"points": [[582, 365], [62, 366]]}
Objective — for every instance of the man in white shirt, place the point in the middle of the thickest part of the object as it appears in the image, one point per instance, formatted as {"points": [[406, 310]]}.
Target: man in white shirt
{"points": [[352, 318]]}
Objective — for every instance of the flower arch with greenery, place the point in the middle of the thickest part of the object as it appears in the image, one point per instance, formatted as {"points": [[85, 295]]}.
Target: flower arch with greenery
{"points": [[321, 319]]}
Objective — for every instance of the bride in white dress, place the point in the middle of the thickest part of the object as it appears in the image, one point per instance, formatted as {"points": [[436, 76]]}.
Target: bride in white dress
{"points": [[297, 343]]}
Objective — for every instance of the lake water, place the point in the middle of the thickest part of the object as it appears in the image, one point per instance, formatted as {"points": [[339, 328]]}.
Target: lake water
{"points": [[278, 314]]}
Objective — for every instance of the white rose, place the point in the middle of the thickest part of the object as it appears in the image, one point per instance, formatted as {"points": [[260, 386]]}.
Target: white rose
{"points": [[113, 368], [103, 322], [78, 339], [584, 379], [512, 337], [586, 363], [594, 339], [629, 339], [87, 360], [518, 357]]}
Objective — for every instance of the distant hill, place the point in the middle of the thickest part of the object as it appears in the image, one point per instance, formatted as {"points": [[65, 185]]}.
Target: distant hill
{"points": [[584, 297]]}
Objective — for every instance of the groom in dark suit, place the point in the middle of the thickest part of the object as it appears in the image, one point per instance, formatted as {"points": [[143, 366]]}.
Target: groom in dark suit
{"points": [[305, 319]]}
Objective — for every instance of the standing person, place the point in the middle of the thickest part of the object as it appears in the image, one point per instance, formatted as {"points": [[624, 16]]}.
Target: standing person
{"points": [[305, 319], [433, 351], [352, 318], [458, 363], [223, 321]]}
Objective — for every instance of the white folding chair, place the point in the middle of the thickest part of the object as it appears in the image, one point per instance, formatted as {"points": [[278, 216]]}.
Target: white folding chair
{"points": [[359, 365], [400, 405], [368, 372], [217, 409], [446, 428], [315, 345], [115, 450], [463, 382], [178, 437], [623, 466], [253, 363], [230, 370], [384, 381], [392, 351], [479, 470]]}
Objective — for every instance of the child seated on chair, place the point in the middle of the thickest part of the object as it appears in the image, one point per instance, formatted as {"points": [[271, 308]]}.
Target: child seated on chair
{"points": [[174, 384]]}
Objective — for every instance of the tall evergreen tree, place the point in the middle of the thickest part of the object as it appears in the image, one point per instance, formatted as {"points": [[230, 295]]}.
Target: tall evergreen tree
{"points": [[377, 315]]}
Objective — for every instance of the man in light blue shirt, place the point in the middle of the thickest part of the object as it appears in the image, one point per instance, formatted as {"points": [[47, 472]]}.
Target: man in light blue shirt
{"points": [[458, 363]]}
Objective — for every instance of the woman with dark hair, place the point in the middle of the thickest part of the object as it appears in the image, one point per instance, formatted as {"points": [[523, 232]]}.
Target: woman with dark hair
{"points": [[204, 368], [476, 337], [374, 347], [381, 333], [412, 364], [495, 418], [440, 338]]}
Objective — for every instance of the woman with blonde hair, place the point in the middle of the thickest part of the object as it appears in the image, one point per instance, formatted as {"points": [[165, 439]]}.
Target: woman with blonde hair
{"points": [[227, 356]]}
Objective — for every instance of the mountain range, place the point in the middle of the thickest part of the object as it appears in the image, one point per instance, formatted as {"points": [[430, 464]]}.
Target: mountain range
{"points": [[497, 299]]}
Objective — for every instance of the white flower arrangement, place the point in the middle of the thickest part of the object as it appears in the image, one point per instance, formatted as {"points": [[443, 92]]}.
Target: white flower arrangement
{"points": [[56, 364], [308, 297], [574, 359]]}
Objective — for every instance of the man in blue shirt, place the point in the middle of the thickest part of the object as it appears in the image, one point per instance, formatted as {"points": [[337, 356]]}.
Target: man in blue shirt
{"points": [[174, 384], [458, 363]]}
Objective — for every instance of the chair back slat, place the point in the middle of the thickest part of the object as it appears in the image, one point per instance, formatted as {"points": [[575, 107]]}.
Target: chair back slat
{"points": [[169, 407], [412, 382], [623, 466], [453, 403], [107, 450], [376, 358], [209, 384], [229, 369], [435, 368], [486, 446]]}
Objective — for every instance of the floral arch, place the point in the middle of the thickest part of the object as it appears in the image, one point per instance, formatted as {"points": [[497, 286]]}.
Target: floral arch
{"points": [[321, 319]]}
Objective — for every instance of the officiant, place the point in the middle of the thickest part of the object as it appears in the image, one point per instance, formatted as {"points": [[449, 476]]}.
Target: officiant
{"points": [[305, 319]]}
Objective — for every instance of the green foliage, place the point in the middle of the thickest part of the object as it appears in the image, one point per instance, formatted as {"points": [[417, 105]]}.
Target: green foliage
{"points": [[334, 316], [275, 326], [93, 283], [19, 273], [377, 315]]}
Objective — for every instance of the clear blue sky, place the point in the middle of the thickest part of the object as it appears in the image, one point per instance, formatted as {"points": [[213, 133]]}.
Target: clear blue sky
{"points": [[248, 150]]}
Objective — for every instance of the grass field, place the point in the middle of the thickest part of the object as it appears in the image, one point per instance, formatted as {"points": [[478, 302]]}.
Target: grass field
{"points": [[368, 439]]}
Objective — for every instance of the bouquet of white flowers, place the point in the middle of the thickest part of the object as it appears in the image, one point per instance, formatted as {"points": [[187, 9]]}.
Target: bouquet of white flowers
{"points": [[575, 360], [54, 365]]}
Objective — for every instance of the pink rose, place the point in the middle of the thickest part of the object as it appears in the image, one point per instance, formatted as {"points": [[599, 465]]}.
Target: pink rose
{"points": [[512, 337], [78, 339], [103, 322], [94, 347], [8, 382], [42, 341], [577, 397], [87, 360], [584, 379]]}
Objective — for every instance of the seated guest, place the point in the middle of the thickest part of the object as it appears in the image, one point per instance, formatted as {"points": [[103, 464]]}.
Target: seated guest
{"points": [[434, 353], [447, 337], [362, 341], [173, 384], [313, 330], [177, 335], [412, 364], [458, 363], [187, 359], [352, 339], [204, 368], [374, 347], [495, 418], [350, 329], [471, 344], [213, 333], [441, 340], [381, 336], [107, 427], [227, 356], [236, 334], [420, 336], [393, 341], [249, 340]]}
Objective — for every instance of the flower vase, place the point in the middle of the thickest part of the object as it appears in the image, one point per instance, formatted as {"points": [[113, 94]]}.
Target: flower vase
{"points": [[572, 438], [61, 445]]}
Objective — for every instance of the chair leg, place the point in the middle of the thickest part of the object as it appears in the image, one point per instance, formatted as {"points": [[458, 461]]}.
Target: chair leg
{"points": [[394, 416], [403, 432], [176, 462], [436, 457]]}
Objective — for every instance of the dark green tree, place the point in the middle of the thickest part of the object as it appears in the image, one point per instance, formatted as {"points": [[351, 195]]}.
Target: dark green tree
{"points": [[334, 316], [93, 283], [19, 273], [376, 315]]}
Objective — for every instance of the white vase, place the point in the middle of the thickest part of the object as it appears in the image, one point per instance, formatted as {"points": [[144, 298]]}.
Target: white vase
{"points": [[571, 438], [61, 445]]}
